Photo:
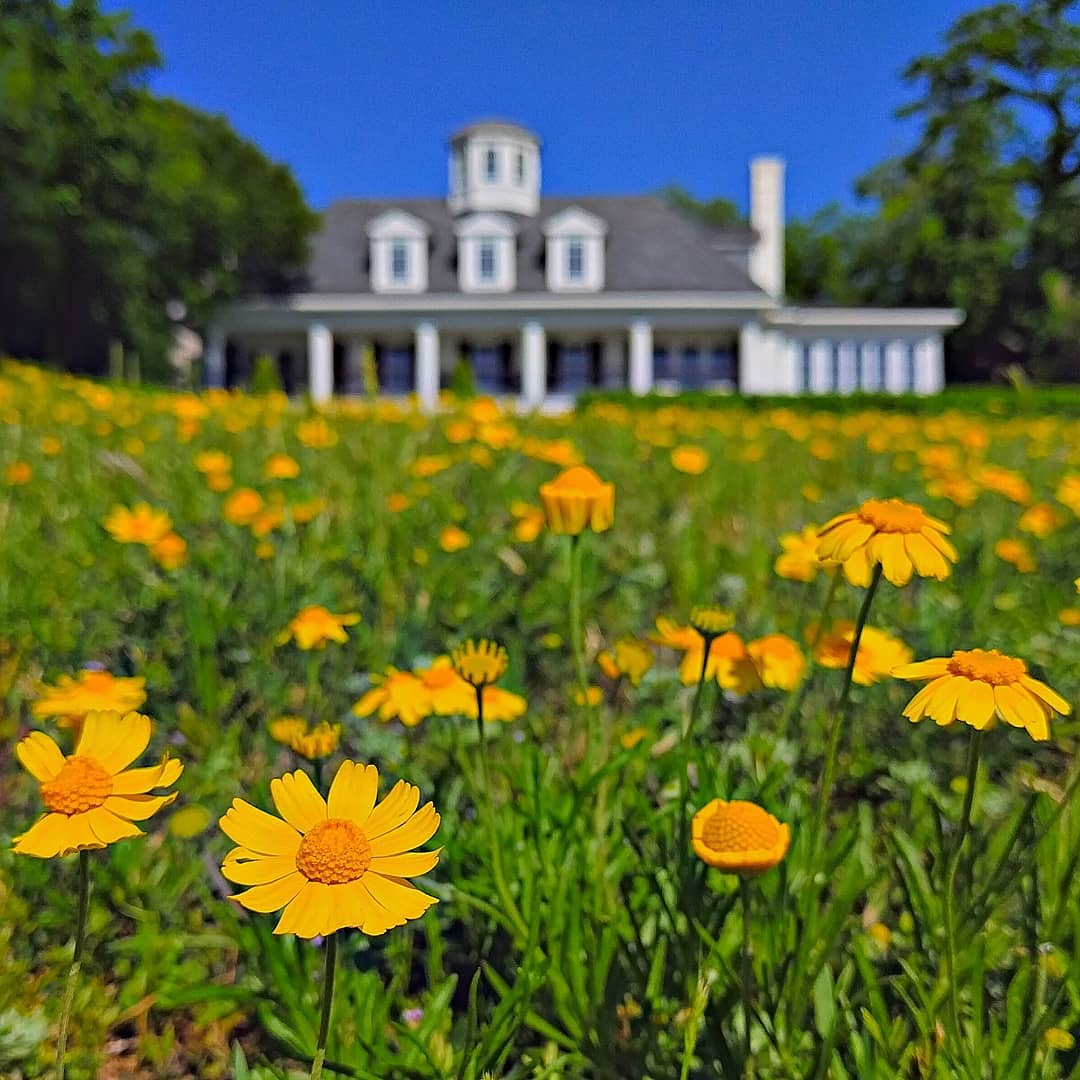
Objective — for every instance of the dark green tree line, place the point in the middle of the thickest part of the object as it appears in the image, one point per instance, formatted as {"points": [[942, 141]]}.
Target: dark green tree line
{"points": [[120, 210]]}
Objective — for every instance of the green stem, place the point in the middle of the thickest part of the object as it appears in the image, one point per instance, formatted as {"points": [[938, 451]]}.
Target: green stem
{"points": [[686, 742], [974, 747], [840, 714], [329, 972], [798, 695], [577, 641], [747, 976], [501, 885], [76, 962], [311, 693]]}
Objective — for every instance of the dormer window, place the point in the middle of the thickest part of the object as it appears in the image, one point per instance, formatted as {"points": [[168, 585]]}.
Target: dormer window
{"points": [[487, 253], [399, 260], [575, 251], [491, 165], [575, 258], [486, 247], [398, 253]]}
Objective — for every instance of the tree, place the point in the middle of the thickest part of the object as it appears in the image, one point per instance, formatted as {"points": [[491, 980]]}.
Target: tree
{"points": [[986, 204], [115, 203], [716, 213]]}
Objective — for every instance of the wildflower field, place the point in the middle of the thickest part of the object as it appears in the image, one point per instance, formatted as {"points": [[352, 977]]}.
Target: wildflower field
{"points": [[562, 747]]}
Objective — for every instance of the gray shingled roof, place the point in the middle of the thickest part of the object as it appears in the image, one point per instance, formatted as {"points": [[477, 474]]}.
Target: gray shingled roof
{"points": [[650, 246]]}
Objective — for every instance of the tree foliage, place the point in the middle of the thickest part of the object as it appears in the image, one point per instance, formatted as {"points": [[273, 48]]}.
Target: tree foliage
{"points": [[116, 206]]}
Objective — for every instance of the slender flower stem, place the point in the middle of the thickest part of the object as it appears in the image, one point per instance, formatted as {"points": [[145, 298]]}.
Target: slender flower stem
{"points": [[501, 886], [76, 962], [329, 973], [577, 641], [311, 693], [747, 975], [798, 695], [828, 771], [686, 733], [974, 747]]}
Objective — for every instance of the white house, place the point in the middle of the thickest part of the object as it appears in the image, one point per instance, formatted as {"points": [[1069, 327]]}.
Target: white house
{"points": [[547, 296]]}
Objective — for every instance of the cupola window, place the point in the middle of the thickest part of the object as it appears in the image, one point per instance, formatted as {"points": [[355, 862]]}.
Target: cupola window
{"points": [[491, 165]]}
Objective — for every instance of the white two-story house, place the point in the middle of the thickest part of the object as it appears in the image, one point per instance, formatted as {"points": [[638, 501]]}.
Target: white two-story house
{"points": [[547, 296]]}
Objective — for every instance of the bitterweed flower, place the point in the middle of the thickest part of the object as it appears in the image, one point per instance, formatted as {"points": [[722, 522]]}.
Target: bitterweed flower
{"points": [[739, 837], [980, 686], [900, 537], [92, 799], [313, 626], [481, 662], [332, 863], [92, 690]]}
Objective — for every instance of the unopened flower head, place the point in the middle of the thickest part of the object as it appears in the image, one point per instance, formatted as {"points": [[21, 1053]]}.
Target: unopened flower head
{"points": [[480, 662]]}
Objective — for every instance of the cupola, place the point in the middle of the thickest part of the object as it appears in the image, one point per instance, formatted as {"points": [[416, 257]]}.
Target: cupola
{"points": [[494, 166]]}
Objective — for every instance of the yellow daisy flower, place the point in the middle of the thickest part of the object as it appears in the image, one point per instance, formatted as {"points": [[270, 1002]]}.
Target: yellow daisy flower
{"points": [[739, 837], [397, 695], [90, 691], [142, 524], [628, 657], [576, 500], [334, 862], [778, 659], [798, 559], [480, 662], [879, 651], [899, 536], [314, 626], [450, 694], [91, 797], [977, 687]]}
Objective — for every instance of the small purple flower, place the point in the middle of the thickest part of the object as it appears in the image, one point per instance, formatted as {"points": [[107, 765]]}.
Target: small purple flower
{"points": [[412, 1017], [93, 665]]}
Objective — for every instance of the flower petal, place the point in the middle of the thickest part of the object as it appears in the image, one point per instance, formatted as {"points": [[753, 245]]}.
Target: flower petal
{"points": [[258, 830], [297, 800], [140, 781], [1022, 710], [137, 807], [1051, 697], [56, 834], [109, 828], [260, 870], [353, 792], [928, 561], [922, 669], [114, 741], [410, 864], [417, 830], [40, 756], [976, 705], [393, 810], [309, 909], [400, 898], [272, 895]]}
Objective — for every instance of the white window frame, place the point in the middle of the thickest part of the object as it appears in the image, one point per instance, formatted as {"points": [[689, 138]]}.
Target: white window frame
{"points": [[396, 230], [476, 233], [571, 228]]}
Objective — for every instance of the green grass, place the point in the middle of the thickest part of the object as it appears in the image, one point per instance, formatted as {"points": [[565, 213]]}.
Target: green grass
{"points": [[626, 960]]}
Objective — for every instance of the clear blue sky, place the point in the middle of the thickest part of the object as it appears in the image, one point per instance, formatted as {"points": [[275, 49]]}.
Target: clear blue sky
{"points": [[358, 96]]}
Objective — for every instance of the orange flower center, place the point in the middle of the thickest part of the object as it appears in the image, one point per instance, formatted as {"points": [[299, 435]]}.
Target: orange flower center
{"points": [[987, 666], [80, 785], [439, 678], [739, 826], [334, 852], [892, 515]]}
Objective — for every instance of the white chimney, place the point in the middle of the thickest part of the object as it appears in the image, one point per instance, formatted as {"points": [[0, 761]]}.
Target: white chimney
{"points": [[767, 220]]}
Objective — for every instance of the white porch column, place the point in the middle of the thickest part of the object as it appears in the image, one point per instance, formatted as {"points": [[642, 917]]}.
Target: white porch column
{"points": [[641, 357], [320, 347], [896, 367], [768, 361], [821, 373], [929, 365], [213, 360], [427, 366], [533, 365]]}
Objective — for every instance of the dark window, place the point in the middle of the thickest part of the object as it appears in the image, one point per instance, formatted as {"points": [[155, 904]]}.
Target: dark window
{"points": [[806, 376], [395, 367], [519, 168], [491, 165], [487, 259], [399, 261], [575, 258], [664, 365]]}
